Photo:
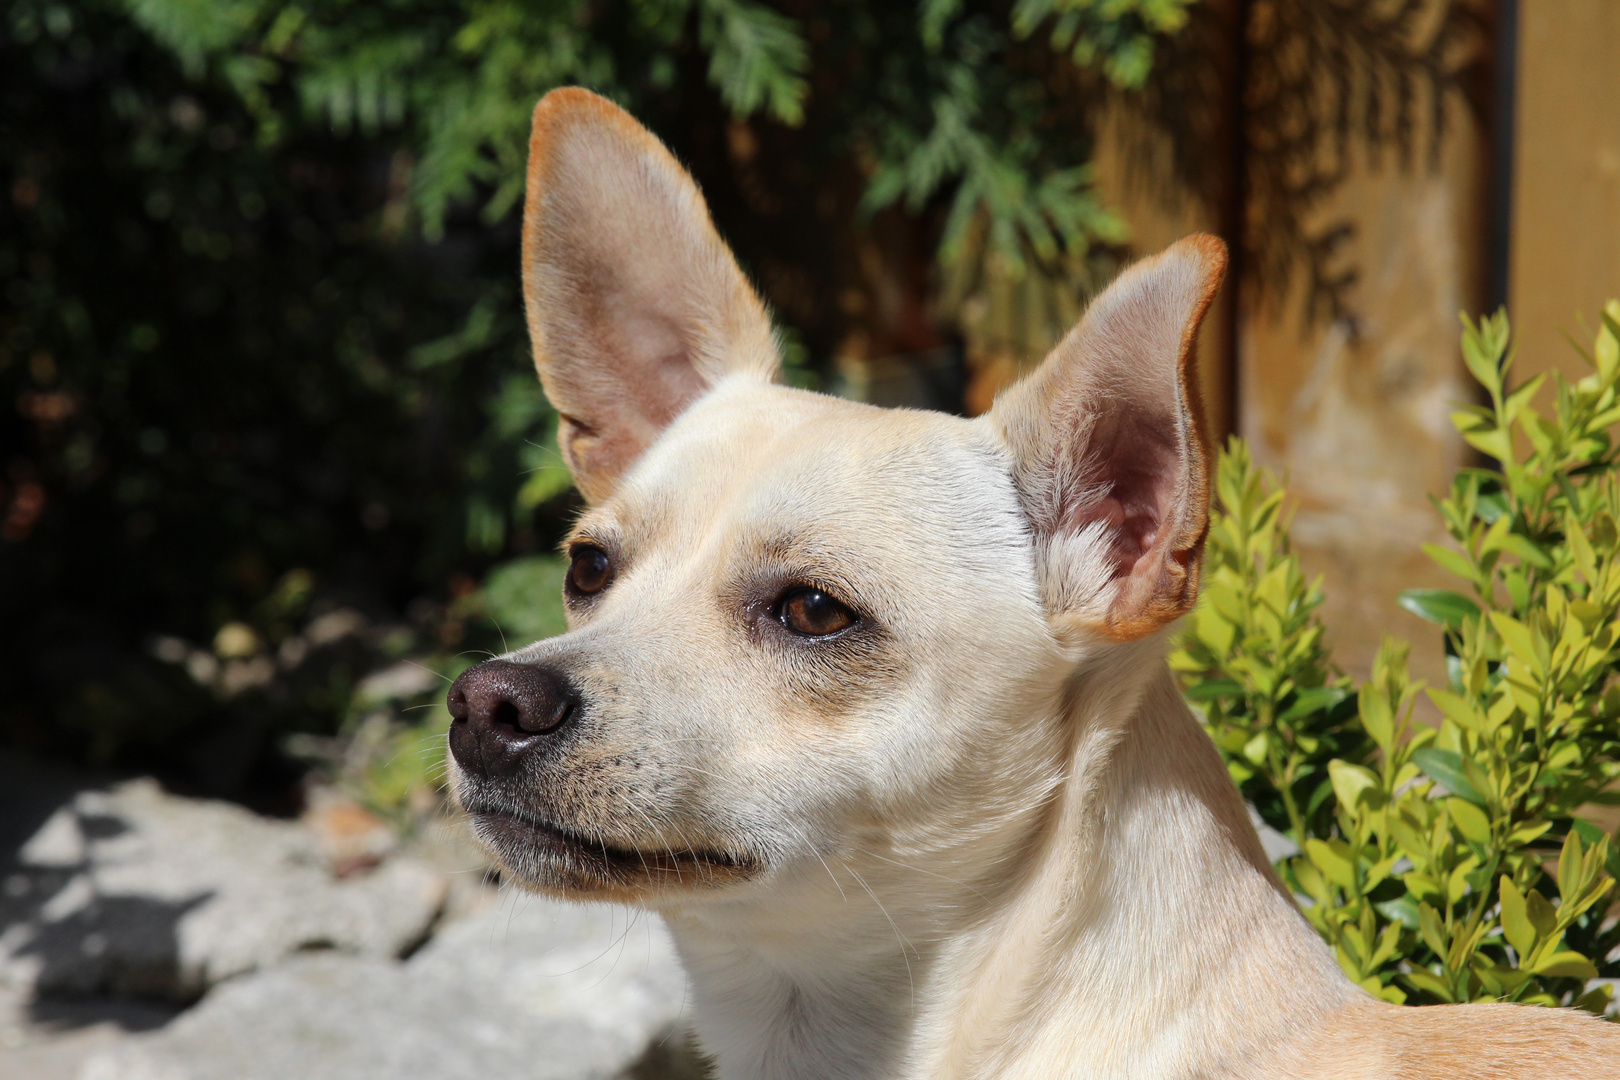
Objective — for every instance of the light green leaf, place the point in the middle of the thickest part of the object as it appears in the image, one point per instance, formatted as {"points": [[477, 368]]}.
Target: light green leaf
{"points": [[1541, 914], [1451, 770], [1527, 833], [1403, 909], [1519, 638], [1424, 887], [1593, 837], [1570, 883], [1432, 930], [1439, 606], [1470, 820], [1463, 711], [1453, 562], [1457, 880], [1527, 550], [1596, 1000], [1211, 689], [1565, 964], [1332, 858], [1376, 715], [1429, 983], [1516, 925], [1316, 699], [1350, 782]]}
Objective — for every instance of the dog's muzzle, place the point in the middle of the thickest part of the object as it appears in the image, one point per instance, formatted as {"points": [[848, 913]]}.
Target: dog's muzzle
{"points": [[502, 712]]}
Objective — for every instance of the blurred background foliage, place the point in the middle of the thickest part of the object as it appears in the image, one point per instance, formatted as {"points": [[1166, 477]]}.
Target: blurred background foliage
{"points": [[275, 419]]}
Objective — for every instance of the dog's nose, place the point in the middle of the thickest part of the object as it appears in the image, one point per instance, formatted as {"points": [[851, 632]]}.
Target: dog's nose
{"points": [[499, 711]]}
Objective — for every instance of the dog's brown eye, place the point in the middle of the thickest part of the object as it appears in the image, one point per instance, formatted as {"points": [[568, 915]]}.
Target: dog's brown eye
{"points": [[590, 571], [813, 613]]}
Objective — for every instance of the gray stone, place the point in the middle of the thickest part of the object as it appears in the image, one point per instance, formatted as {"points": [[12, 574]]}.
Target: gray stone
{"points": [[130, 890], [1276, 846], [527, 989], [51, 1039]]}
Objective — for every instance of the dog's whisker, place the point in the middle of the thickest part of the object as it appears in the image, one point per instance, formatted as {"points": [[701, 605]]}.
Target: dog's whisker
{"points": [[919, 870], [899, 937], [430, 671]]}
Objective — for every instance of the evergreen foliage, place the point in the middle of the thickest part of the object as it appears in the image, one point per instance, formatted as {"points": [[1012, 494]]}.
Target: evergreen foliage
{"points": [[262, 325], [938, 104], [244, 396]]}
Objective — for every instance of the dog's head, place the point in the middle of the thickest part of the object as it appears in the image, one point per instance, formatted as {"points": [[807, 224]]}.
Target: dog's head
{"points": [[798, 624]]}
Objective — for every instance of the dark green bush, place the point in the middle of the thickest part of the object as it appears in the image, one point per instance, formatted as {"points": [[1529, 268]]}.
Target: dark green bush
{"points": [[239, 392], [259, 317]]}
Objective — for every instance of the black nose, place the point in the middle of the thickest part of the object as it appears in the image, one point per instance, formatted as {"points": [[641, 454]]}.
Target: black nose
{"points": [[500, 710]]}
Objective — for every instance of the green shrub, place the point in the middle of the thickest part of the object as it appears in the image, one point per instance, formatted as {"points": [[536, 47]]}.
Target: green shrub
{"points": [[1451, 863], [1254, 658]]}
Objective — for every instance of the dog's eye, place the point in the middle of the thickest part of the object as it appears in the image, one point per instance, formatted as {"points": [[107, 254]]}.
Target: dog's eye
{"points": [[590, 571], [813, 613]]}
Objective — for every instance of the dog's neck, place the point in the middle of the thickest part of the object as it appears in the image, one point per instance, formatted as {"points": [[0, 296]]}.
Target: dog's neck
{"points": [[1121, 920]]}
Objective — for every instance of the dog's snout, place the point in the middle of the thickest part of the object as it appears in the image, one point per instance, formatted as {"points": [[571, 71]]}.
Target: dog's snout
{"points": [[500, 710]]}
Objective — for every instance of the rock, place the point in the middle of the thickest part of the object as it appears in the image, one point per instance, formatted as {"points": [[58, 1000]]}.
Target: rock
{"points": [[51, 1040], [403, 680], [542, 991], [124, 889], [129, 890], [1276, 846], [351, 837]]}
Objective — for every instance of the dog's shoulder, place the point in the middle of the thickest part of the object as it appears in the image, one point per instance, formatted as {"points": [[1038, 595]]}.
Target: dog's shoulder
{"points": [[1487, 1041]]}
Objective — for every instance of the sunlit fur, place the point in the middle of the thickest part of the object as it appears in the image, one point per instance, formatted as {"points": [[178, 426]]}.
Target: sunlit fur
{"points": [[978, 834]]}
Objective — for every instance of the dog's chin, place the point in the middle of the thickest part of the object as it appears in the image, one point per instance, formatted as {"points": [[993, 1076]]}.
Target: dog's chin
{"points": [[549, 858]]}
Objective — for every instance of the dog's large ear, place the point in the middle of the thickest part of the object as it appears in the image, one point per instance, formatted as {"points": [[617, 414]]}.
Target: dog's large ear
{"points": [[635, 305], [1110, 461]]}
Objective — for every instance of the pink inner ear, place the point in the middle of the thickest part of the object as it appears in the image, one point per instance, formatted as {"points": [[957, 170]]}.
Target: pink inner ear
{"points": [[1105, 438], [1138, 474], [1133, 531]]}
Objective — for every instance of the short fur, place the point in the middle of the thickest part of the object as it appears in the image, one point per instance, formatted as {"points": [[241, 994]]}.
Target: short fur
{"points": [[977, 834]]}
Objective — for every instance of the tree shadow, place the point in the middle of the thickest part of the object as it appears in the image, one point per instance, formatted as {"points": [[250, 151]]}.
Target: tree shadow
{"points": [[113, 946], [1259, 109], [87, 958]]}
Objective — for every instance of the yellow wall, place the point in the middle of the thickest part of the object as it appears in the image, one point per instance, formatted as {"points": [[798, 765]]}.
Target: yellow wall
{"points": [[1565, 254], [1357, 415]]}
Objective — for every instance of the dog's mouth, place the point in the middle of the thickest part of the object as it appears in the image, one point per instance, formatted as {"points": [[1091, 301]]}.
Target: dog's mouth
{"points": [[554, 858]]}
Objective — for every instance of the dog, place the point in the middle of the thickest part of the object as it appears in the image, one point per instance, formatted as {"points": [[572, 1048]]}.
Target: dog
{"points": [[871, 705]]}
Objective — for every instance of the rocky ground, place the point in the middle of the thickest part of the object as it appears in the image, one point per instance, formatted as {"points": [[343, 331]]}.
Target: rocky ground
{"points": [[145, 936]]}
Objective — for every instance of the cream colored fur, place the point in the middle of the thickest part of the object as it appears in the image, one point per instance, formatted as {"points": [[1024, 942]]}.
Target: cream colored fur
{"points": [[979, 834]]}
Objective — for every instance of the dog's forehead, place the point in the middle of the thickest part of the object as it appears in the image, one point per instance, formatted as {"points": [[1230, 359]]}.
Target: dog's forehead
{"points": [[772, 457]]}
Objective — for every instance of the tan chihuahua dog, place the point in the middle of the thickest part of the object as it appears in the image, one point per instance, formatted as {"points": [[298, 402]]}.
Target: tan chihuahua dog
{"points": [[871, 704]]}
